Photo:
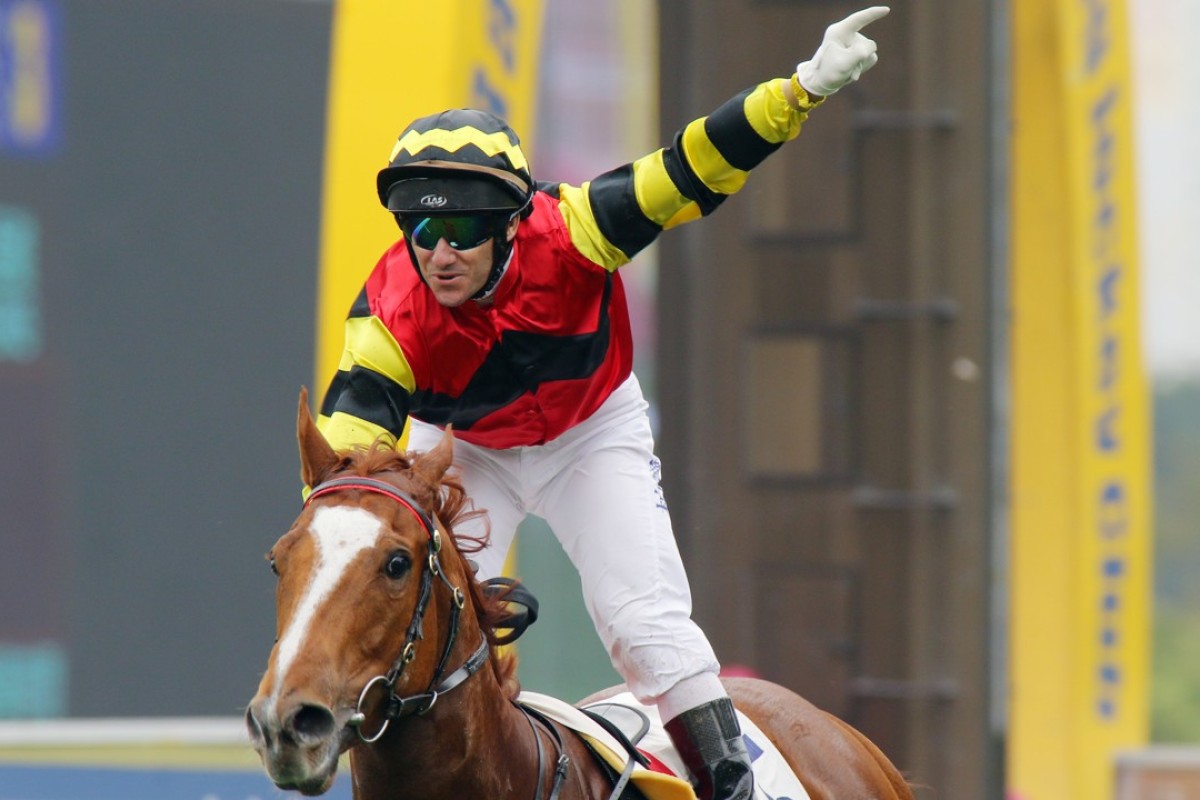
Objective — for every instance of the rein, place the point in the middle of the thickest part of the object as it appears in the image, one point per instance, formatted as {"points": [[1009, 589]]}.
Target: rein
{"points": [[400, 707]]}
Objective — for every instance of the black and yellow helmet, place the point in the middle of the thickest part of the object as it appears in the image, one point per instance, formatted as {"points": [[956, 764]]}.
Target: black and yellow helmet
{"points": [[458, 160]]}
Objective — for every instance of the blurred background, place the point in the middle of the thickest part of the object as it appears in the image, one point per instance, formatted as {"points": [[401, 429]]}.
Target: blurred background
{"points": [[924, 389]]}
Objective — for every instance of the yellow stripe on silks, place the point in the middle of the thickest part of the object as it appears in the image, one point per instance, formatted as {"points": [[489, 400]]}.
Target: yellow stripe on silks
{"points": [[708, 163], [585, 234], [451, 141], [686, 214], [775, 120], [370, 344], [344, 431], [657, 195]]}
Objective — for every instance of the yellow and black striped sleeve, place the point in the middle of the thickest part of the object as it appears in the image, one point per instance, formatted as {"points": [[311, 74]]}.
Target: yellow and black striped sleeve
{"points": [[614, 216], [368, 399]]}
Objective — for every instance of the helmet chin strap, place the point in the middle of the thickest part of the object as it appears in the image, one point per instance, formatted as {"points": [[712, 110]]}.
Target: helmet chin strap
{"points": [[502, 252], [501, 255]]}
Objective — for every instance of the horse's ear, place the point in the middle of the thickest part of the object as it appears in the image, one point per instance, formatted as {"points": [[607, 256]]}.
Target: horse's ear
{"points": [[431, 467], [317, 458]]}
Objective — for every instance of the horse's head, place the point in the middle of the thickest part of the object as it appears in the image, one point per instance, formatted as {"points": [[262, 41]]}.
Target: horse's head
{"points": [[370, 589]]}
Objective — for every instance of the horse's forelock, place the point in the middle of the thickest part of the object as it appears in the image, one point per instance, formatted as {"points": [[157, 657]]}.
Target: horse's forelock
{"points": [[448, 501], [378, 457]]}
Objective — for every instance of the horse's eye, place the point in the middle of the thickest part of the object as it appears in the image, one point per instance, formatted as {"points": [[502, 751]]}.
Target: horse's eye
{"points": [[397, 566], [274, 566]]}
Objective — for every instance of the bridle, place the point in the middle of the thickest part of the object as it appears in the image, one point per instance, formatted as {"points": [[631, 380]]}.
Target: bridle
{"points": [[400, 707]]}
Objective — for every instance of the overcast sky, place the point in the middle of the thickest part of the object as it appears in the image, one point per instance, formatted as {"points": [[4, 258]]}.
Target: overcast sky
{"points": [[1166, 54]]}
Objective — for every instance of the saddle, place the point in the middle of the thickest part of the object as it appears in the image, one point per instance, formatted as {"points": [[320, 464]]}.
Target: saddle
{"points": [[629, 737], [613, 745]]}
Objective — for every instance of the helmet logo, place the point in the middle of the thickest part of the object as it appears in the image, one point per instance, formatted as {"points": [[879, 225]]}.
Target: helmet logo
{"points": [[433, 201]]}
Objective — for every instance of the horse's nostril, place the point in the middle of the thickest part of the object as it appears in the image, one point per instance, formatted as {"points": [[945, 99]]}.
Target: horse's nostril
{"points": [[257, 734], [312, 723]]}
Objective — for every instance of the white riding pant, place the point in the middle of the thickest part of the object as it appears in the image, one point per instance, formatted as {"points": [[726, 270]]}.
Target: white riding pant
{"points": [[597, 486]]}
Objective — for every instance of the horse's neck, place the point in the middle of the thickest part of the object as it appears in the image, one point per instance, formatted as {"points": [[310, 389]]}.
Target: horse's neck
{"points": [[472, 743]]}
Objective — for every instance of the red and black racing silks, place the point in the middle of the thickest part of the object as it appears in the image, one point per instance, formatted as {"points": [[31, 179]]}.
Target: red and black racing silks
{"points": [[555, 341], [542, 357]]}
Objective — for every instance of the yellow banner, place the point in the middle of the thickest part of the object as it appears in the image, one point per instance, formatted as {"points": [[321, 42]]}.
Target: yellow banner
{"points": [[1081, 475], [393, 61]]}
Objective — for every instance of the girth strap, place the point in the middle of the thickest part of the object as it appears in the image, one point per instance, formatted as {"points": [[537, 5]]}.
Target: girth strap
{"points": [[562, 762]]}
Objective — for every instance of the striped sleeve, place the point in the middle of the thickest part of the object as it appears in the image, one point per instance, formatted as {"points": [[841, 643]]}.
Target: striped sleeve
{"points": [[616, 215], [369, 396]]}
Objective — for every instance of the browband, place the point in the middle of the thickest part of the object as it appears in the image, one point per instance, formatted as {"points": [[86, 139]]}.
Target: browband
{"points": [[378, 487]]}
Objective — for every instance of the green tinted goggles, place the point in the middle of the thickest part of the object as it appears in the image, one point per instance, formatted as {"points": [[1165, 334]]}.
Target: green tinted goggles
{"points": [[461, 233]]}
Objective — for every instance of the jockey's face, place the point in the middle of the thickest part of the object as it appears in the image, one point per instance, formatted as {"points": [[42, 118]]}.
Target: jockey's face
{"points": [[455, 276]]}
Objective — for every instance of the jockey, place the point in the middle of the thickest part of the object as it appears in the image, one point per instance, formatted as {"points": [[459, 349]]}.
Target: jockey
{"points": [[500, 312]]}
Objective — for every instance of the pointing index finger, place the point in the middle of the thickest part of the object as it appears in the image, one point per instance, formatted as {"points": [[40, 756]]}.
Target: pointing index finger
{"points": [[843, 32]]}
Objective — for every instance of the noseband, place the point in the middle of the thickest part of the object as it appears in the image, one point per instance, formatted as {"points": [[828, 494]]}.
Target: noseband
{"points": [[399, 707]]}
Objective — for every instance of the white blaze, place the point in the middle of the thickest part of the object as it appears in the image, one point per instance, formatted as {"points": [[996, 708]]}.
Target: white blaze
{"points": [[340, 533]]}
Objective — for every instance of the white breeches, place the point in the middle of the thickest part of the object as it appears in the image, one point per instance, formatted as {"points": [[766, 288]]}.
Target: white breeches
{"points": [[597, 486]]}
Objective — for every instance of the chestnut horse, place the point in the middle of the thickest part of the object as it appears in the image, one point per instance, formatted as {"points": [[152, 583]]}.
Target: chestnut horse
{"points": [[386, 647]]}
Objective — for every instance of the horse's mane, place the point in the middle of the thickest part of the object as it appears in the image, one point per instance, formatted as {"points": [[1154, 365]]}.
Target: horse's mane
{"points": [[451, 507]]}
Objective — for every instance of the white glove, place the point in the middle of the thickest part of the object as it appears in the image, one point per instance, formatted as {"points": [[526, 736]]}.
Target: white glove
{"points": [[844, 54]]}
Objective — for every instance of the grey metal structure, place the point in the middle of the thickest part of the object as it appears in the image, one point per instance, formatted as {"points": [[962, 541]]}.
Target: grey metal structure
{"points": [[828, 351]]}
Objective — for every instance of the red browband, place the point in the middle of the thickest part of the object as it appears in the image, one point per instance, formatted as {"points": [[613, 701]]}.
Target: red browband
{"points": [[378, 487]]}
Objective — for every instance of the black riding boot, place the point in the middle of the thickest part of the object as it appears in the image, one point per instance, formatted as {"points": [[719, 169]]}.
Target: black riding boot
{"points": [[710, 741]]}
